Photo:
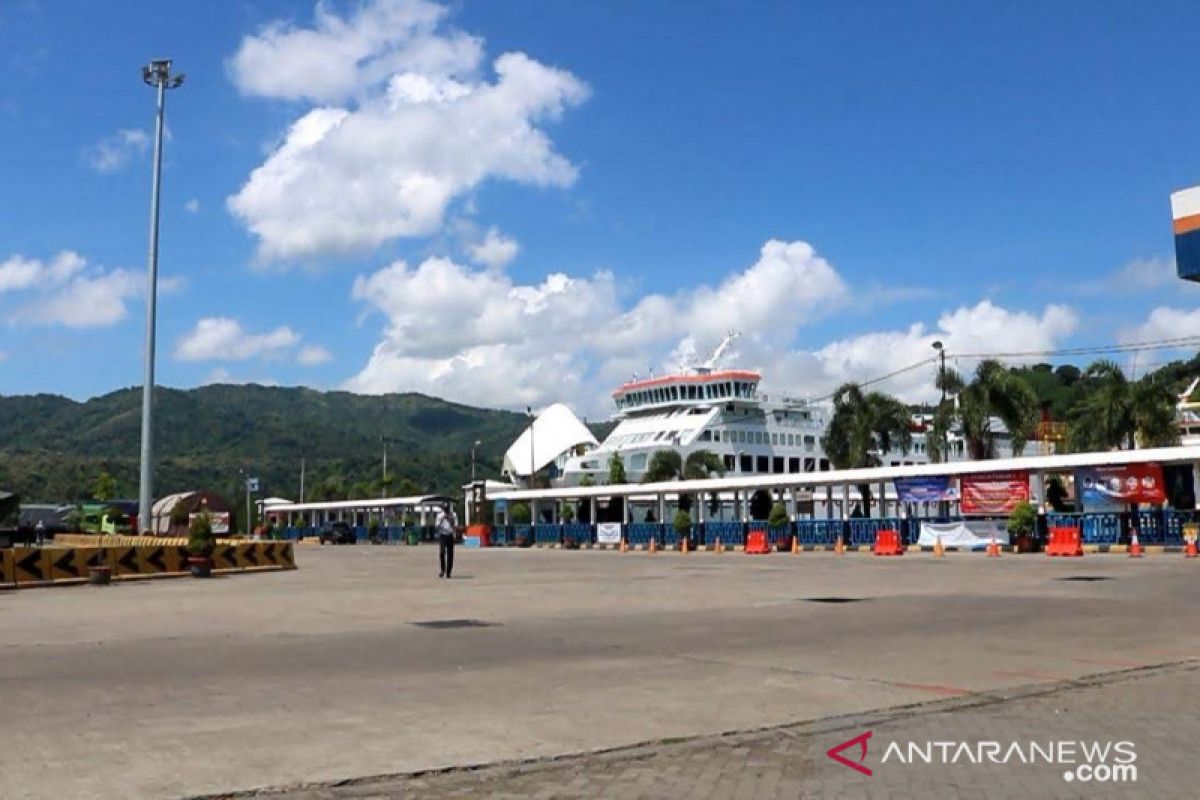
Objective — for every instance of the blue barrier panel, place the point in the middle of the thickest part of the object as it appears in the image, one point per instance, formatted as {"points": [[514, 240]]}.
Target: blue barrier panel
{"points": [[360, 534], [641, 532], [730, 533], [500, 535], [290, 534], [1104, 528], [522, 534], [581, 532], [1174, 521], [547, 534], [394, 534], [780, 537], [669, 537], [862, 531], [819, 531]]}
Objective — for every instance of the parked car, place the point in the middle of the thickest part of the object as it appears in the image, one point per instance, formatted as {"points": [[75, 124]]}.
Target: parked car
{"points": [[338, 533]]}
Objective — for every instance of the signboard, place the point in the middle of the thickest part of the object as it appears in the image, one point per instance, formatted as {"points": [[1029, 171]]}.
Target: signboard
{"points": [[994, 493], [608, 533], [219, 519], [1113, 488], [252, 485], [934, 489]]}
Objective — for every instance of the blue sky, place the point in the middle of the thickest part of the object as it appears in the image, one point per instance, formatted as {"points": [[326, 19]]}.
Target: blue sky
{"points": [[522, 202]]}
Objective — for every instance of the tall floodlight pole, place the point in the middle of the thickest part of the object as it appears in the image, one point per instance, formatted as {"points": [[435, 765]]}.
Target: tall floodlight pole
{"points": [[157, 74], [477, 443]]}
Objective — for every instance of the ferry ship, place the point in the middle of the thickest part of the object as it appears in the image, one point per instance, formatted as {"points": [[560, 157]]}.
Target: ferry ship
{"points": [[704, 408]]}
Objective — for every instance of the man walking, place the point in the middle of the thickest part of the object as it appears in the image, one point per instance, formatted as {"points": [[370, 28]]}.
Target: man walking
{"points": [[446, 525]]}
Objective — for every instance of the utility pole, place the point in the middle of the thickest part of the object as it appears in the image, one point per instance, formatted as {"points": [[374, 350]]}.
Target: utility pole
{"points": [[383, 484], [301, 479], [157, 74]]}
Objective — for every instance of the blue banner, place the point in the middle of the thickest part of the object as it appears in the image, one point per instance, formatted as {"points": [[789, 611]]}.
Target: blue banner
{"points": [[934, 489]]}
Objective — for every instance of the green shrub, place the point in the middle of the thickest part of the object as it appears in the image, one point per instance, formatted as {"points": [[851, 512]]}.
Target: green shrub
{"points": [[1023, 519], [779, 516], [519, 514], [683, 523], [201, 540]]}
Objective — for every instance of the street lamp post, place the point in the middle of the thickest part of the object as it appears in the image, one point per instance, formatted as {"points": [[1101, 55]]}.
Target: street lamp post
{"points": [[157, 74], [477, 443], [942, 370]]}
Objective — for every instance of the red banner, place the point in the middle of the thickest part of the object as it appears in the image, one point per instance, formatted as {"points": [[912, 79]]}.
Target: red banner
{"points": [[1113, 488], [994, 493]]}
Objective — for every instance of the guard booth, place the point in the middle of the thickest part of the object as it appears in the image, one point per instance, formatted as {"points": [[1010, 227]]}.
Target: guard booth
{"points": [[1185, 213]]}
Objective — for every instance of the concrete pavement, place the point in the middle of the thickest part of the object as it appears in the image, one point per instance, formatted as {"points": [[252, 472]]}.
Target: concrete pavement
{"points": [[176, 688]]}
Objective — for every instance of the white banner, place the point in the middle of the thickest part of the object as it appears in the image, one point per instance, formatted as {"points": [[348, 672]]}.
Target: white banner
{"points": [[220, 522], [965, 533], [608, 533]]}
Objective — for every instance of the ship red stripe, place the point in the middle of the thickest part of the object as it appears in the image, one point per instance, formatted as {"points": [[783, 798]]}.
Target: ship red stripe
{"points": [[715, 376]]}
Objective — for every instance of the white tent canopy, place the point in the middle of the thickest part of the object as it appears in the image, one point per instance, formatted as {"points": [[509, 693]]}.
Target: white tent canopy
{"points": [[554, 431]]}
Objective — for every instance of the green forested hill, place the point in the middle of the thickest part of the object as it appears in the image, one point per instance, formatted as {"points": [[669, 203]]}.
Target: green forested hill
{"points": [[53, 448]]}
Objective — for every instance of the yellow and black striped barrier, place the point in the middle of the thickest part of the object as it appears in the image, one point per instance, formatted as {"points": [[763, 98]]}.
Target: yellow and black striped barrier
{"points": [[42, 566]]}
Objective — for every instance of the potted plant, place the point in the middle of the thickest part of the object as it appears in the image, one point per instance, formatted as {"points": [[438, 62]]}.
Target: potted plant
{"points": [[1022, 524], [683, 527], [779, 519], [520, 517], [201, 543], [373, 532], [567, 515]]}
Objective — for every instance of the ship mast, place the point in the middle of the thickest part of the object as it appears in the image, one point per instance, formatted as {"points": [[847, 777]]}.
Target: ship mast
{"points": [[711, 364]]}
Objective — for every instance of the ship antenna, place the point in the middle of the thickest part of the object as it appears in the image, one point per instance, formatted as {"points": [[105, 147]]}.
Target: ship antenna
{"points": [[715, 358]]}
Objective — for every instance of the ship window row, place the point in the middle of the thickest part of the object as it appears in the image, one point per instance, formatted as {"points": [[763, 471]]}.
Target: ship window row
{"points": [[774, 465], [735, 436], [721, 390]]}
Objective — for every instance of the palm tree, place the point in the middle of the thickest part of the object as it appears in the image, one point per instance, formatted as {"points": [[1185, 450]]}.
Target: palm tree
{"points": [[994, 392], [862, 428], [667, 465], [1119, 414]]}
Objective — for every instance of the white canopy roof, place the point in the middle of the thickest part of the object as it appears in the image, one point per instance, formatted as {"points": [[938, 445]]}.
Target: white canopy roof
{"points": [[417, 501], [554, 431], [873, 475]]}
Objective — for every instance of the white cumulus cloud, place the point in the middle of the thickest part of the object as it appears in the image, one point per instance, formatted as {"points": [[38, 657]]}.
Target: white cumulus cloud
{"points": [[224, 339], [192, 206], [403, 122], [313, 355], [114, 151], [477, 336], [1162, 323], [67, 291], [495, 250]]}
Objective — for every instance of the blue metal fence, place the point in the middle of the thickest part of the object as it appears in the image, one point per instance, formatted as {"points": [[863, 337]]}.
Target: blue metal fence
{"points": [[730, 533], [521, 533], [547, 534], [819, 531], [642, 532], [862, 531], [581, 532]]}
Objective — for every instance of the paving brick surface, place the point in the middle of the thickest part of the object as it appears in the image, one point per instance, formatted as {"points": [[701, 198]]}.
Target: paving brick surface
{"points": [[1156, 709]]}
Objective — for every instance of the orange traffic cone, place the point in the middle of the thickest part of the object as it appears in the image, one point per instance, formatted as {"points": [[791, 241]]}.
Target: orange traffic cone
{"points": [[939, 550], [839, 547], [683, 545], [624, 545], [653, 545], [795, 545], [719, 548], [1135, 547], [1190, 551], [993, 549]]}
